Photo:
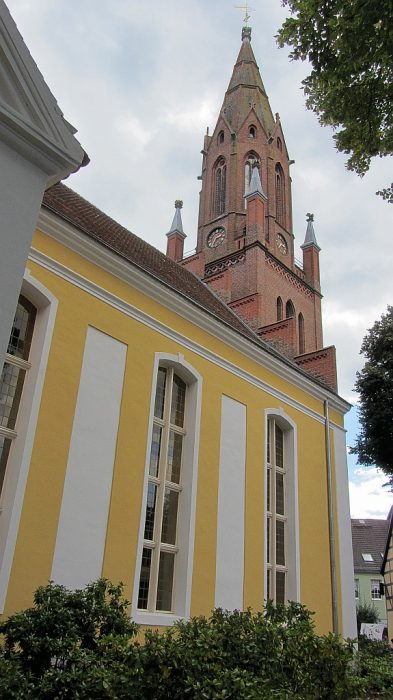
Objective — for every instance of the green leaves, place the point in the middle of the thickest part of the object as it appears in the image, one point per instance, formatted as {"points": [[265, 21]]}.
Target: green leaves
{"points": [[349, 44], [374, 444]]}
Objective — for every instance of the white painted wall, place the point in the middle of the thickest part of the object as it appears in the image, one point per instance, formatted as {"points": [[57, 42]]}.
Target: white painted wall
{"points": [[84, 511], [230, 518]]}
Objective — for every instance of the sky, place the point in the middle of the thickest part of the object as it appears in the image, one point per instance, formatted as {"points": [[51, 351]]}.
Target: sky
{"points": [[141, 82]]}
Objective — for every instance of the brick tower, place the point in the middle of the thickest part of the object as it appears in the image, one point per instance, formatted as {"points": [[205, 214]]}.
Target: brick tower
{"points": [[245, 246]]}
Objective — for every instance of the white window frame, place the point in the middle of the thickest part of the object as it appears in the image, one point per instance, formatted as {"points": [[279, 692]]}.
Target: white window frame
{"points": [[20, 452], [187, 504], [375, 589], [292, 549], [357, 588]]}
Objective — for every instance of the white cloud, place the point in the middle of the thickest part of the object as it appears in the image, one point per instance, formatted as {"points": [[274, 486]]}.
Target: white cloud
{"points": [[368, 497]]}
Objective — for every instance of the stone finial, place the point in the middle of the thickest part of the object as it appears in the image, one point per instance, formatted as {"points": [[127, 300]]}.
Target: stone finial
{"points": [[310, 238], [310, 217], [178, 204], [246, 33]]}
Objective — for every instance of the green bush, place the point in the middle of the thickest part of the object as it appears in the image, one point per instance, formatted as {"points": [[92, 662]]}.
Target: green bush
{"points": [[82, 645]]}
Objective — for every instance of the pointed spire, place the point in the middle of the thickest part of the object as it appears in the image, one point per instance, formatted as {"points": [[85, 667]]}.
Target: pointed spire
{"points": [[177, 224], [246, 89], [310, 238]]}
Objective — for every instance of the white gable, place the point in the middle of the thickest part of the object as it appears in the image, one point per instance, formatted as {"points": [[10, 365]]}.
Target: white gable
{"points": [[30, 119]]}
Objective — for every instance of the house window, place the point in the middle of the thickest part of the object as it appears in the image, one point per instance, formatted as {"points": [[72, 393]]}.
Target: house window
{"points": [[367, 556], [301, 334], [276, 521], [160, 544], [375, 589], [219, 188], [356, 588], [280, 195], [279, 309], [13, 376]]}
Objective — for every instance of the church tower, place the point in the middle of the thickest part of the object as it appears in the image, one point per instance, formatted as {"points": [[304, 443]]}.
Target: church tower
{"points": [[245, 244]]}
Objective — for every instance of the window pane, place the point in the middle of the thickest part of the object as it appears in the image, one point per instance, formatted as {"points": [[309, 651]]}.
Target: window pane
{"points": [[356, 588], [268, 486], [160, 393], [280, 494], [5, 444], [279, 447], [268, 586], [150, 511], [178, 401], [268, 535], [155, 450], [280, 587], [268, 442], [174, 457], [280, 543], [375, 590], [144, 579], [165, 581], [11, 384], [169, 517], [22, 330]]}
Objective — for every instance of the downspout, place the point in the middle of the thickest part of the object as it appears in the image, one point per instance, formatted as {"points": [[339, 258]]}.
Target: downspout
{"points": [[332, 544]]}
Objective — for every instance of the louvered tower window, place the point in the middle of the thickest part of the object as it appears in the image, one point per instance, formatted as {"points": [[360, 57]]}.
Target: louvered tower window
{"points": [[219, 192], [280, 195]]}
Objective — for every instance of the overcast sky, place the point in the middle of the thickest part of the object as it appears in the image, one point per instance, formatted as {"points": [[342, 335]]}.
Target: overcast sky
{"points": [[142, 81]]}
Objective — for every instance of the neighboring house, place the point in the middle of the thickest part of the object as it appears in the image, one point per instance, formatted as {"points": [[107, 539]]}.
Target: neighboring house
{"points": [[387, 573], [148, 433], [369, 538]]}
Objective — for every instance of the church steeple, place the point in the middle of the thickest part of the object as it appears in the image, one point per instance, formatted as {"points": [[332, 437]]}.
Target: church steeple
{"points": [[245, 246]]}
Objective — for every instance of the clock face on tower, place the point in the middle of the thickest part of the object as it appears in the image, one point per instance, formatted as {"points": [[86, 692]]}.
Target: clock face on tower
{"points": [[281, 244], [216, 237]]}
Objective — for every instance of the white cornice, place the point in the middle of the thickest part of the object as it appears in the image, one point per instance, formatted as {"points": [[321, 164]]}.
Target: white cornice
{"points": [[146, 283]]}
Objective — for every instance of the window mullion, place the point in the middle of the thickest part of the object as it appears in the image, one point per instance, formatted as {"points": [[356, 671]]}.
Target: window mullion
{"points": [[273, 508], [162, 466]]}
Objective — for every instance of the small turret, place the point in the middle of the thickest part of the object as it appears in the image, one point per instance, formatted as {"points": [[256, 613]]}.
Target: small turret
{"points": [[311, 252], [256, 201], [176, 235]]}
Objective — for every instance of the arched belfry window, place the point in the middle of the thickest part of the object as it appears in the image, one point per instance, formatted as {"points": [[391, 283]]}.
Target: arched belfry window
{"points": [[219, 188], [252, 132], [289, 309], [252, 161], [279, 309], [13, 375], [301, 334], [280, 195]]}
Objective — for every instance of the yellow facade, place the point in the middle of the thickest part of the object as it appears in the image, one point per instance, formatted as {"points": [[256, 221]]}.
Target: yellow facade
{"points": [[90, 296]]}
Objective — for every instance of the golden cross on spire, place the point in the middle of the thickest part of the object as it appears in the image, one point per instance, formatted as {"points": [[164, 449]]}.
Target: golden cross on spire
{"points": [[246, 11]]}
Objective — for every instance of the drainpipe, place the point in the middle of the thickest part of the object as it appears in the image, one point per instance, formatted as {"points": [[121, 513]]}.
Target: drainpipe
{"points": [[332, 545]]}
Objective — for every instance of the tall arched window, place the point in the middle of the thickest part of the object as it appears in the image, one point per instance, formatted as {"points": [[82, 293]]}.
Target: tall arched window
{"points": [[282, 538], [219, 188], [16, 366], [279, 309], [163, 577], [289, 309], [280, 195], [301, 334]]}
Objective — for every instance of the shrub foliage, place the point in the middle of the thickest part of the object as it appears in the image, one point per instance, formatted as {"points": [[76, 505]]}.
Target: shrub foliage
{"points": [[82, 645]]}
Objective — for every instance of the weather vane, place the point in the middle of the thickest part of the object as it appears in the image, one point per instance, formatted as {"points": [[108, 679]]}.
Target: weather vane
{"points": [[246, 11]]}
